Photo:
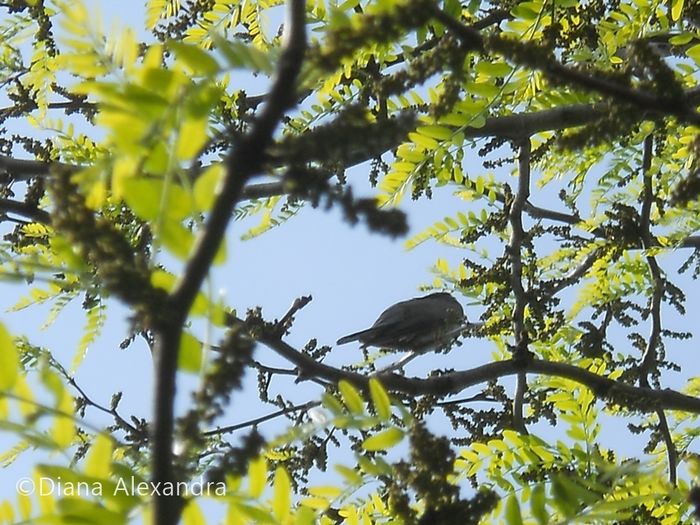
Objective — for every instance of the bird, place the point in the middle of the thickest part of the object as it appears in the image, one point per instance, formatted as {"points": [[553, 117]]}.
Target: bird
{"points": [[417, 325]]}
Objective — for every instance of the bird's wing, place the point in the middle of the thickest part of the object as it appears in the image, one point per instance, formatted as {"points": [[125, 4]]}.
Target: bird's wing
{"points": [[405, 324], [357, 336], [410, 313], [399, 325]]}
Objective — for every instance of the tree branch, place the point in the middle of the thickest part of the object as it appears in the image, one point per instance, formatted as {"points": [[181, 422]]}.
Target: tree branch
{"points": [[261, 419], [640, 399], [22, 208], [514, 249], [596, 81], [578, 272], [650, 357], [20, 169], [136, 433], [508, 126], [244, 162]]}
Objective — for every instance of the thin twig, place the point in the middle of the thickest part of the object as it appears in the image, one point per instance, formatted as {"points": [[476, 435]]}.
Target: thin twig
{"points": [[650, 357], [472, 399], [121, 422], [574, 275], [283, 324], [274, 370], [261, 419], [74, 105]]}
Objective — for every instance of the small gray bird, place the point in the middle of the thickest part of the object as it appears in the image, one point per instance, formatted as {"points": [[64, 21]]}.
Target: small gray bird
{"points": [[418, 325]]}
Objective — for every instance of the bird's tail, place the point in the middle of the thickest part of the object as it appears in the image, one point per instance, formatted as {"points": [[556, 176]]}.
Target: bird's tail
{"points": [[353, 337]]}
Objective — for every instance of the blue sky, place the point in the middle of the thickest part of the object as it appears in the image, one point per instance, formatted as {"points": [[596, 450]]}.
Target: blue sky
{"points": [[353, 275]]}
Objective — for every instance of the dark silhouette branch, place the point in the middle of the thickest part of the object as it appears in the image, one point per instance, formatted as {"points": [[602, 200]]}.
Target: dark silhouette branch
{"points": [[595, 81], [481, 397], [244, 162], [20, 169], [514, 250], [645, 400], [577, 273], [284, 324], [25, 210], [508, 126], [122, 423], [73, 105], [649, 360], [262, 419]]}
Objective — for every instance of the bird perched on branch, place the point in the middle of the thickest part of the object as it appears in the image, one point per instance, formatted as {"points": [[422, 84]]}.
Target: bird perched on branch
{"points": [[418, 325]]}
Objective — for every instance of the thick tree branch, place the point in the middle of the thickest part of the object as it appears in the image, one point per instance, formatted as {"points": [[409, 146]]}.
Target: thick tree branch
{"points": [[72, 105], [597, 82], [20, 169], [244, 162], [509, 126], [22, 208], [640, 399], [514, 249], [515, 244]]}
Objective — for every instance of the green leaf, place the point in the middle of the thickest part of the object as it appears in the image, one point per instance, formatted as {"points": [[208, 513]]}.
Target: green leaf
{"points": [[95, 319], [99, 459], [63, 431], [282, 494], [257, 472], [151, 197], [423, 141], [9, 360], [676, 9], [86, 512], [189, 358], [562, 499], [493, 69], [537, 505], [380, 399], [325, 491], [315, 503], [195, 58], [207, 186], [383, 440], [24, 504], [351, 397], [256, 514], [164, 81], [352, 476], [681, 39], [240, 55], [513, 515], [192, 137], [436, 132], [163, 280], [694, 53], [201, 99], [330, 402], [192, 514], [176, 238], [375, 468]]}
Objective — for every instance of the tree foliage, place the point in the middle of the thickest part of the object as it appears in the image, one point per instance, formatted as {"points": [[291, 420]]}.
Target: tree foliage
{"points": [[567, 132]]}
